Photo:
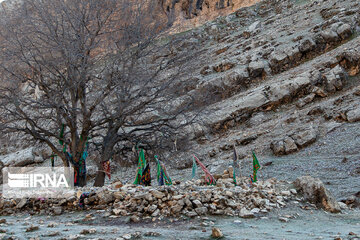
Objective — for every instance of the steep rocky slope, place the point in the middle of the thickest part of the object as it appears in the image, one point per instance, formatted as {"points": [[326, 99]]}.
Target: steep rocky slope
{"points": [[279, 79], [274, 77]]}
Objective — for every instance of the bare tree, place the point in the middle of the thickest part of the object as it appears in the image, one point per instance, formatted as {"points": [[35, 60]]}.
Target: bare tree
{"points": [[90, 66]]}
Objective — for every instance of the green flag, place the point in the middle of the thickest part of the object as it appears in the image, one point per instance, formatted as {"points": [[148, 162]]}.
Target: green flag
{"points": [[235, 165], [256, 166], [162, 175], [141, 166], [194, 169]]}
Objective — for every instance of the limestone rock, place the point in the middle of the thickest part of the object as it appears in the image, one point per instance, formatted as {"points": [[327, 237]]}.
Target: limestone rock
{"points": [[314, 190]]}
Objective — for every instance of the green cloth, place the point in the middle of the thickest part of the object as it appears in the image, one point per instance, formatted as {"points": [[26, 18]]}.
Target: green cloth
{"points": [[256, 166], [234, 175], [61, 136], [141, 166], [194, 169], [235, 165], [162, 176]]}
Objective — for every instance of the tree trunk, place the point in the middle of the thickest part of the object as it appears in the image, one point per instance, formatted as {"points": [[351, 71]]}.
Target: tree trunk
{"points": [[100, 179], [79, 181], [82, 181]]}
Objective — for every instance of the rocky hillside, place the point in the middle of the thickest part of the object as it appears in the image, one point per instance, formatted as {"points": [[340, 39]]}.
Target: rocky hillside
{"points": [[274, 77], [281, 75]]}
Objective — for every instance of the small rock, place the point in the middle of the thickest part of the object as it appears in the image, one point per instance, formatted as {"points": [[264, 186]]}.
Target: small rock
{"points": [[127, 236], [157, 194], [134, 219], [51, 234], [32, 228], [201, 210], [57, 210], [197, 203], [88, 231], [244, 213], [152, 234], [52, 224], [216, 233], [342, 205], [293, 191], [285, 193], [283, 219], [353, 115], [22, 203]]}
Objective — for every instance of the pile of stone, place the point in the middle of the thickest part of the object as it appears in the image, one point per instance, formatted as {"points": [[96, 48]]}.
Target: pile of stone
{"points": [[190, 198]]}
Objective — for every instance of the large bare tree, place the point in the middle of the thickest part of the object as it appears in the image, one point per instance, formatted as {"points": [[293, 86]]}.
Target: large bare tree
{"points": [[98, 68]]}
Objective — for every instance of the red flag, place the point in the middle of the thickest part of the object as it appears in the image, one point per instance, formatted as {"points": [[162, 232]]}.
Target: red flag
{"points": [[208, 177], [106, 167]]}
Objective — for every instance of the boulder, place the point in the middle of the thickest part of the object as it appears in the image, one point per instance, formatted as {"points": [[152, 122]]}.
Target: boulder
{"points": [[305, 138], [278, 147], [289, 145], [314, 190], [20, 158]]}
